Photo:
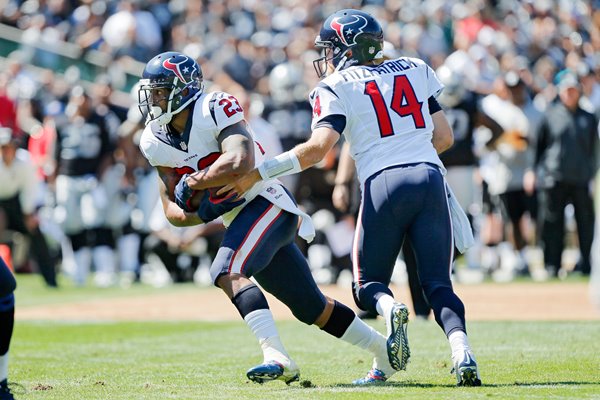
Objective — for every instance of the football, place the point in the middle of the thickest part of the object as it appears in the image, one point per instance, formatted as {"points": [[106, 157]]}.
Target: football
{"points": [[199, 194], [196, 199]]}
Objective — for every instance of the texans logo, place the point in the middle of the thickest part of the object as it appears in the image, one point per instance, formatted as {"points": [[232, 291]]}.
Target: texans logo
{"points": [[349, 27], [174, 64]]}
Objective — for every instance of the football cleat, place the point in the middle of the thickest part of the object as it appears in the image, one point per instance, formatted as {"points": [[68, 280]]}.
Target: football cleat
{"points": [[465, 370], [397, 343], [5, 393], [272, 370], [373, 377]]}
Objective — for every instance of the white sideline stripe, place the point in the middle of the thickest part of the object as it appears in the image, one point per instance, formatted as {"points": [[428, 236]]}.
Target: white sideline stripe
{"points": [[253, 237]]}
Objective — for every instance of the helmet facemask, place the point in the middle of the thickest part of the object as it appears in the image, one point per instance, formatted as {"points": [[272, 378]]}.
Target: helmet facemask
{"points": [[330, 53], [178, 98]]}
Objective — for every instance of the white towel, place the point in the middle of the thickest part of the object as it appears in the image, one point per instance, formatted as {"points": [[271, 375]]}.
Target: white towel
{"points": [[461, 228], [277, 195]]}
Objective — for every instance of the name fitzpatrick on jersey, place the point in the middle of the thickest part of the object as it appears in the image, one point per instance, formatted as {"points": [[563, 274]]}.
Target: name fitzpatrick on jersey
{"points": [[387, 68]]}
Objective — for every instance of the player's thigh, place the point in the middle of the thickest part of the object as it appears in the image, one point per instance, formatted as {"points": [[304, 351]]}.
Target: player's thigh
{"points": [[390, 200], [253, 238], [289, 279], [431, 233]]}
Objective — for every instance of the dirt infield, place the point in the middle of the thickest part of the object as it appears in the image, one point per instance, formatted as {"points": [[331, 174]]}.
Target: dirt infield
{"points": [[485, 302]]}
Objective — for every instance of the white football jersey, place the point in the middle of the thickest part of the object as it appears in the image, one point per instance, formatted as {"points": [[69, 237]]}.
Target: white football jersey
{"points": [[386, 109], [197, 147]]}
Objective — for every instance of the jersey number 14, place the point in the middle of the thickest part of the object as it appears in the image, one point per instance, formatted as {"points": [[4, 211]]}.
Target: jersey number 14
{"points": [[404, 103]]}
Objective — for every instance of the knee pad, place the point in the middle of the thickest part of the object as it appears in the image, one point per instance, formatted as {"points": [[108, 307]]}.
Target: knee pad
{"points": [[248, 299], [369, 293]]}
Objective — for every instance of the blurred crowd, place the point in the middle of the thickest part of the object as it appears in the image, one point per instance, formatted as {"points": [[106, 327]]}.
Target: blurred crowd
{"points": [[96, 209]]}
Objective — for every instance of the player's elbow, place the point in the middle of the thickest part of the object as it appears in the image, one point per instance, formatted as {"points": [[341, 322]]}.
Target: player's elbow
{"points": [[241, 163]]}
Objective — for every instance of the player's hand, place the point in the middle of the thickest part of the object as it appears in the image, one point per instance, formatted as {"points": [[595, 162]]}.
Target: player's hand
{"points": [[183, 194], [341, 197], [240, 186], [212, 207]]}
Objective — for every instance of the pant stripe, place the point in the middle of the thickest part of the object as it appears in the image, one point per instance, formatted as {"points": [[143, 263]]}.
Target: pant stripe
{"points": [[355, 260], [253, 238], [450, 262]]}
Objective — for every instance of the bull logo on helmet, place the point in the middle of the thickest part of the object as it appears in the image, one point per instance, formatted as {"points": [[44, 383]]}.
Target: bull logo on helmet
{"points": [[349, 27], [174, 64]]}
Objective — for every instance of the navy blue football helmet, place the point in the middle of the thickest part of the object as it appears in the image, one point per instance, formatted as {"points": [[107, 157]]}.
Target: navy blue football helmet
{"points": [[179, 75], [348, 37]]}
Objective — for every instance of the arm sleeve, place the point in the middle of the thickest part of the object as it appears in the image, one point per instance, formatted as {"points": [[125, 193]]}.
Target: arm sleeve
{"points": [[325, 102], [225, 110], [336, 122], [434, 85], [434, 106], [149, 148]]}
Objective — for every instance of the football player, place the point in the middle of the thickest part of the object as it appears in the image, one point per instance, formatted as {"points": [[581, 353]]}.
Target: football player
{"points": [[8, 285], [199, 141], [387, 111]]}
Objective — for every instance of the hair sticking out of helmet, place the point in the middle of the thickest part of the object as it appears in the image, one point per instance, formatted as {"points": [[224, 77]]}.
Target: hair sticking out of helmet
{"points": [[454, 86], [348, 37], [170, 82]]}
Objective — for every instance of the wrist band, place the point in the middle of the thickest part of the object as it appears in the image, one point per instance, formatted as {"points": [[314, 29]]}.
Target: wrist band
{"points": [[284, 164]]}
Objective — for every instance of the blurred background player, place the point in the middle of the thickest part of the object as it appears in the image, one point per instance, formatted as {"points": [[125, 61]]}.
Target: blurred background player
{"points": [[18, 201], [85, 187], [463, 110], [565, 164]]}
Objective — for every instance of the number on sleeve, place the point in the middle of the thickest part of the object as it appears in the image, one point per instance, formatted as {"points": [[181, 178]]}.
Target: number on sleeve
{"points": [[404, 103], [231, 105]]}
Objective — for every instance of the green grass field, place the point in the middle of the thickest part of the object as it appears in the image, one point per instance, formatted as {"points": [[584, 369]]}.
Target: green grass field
{"points": [[196, 360]]}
